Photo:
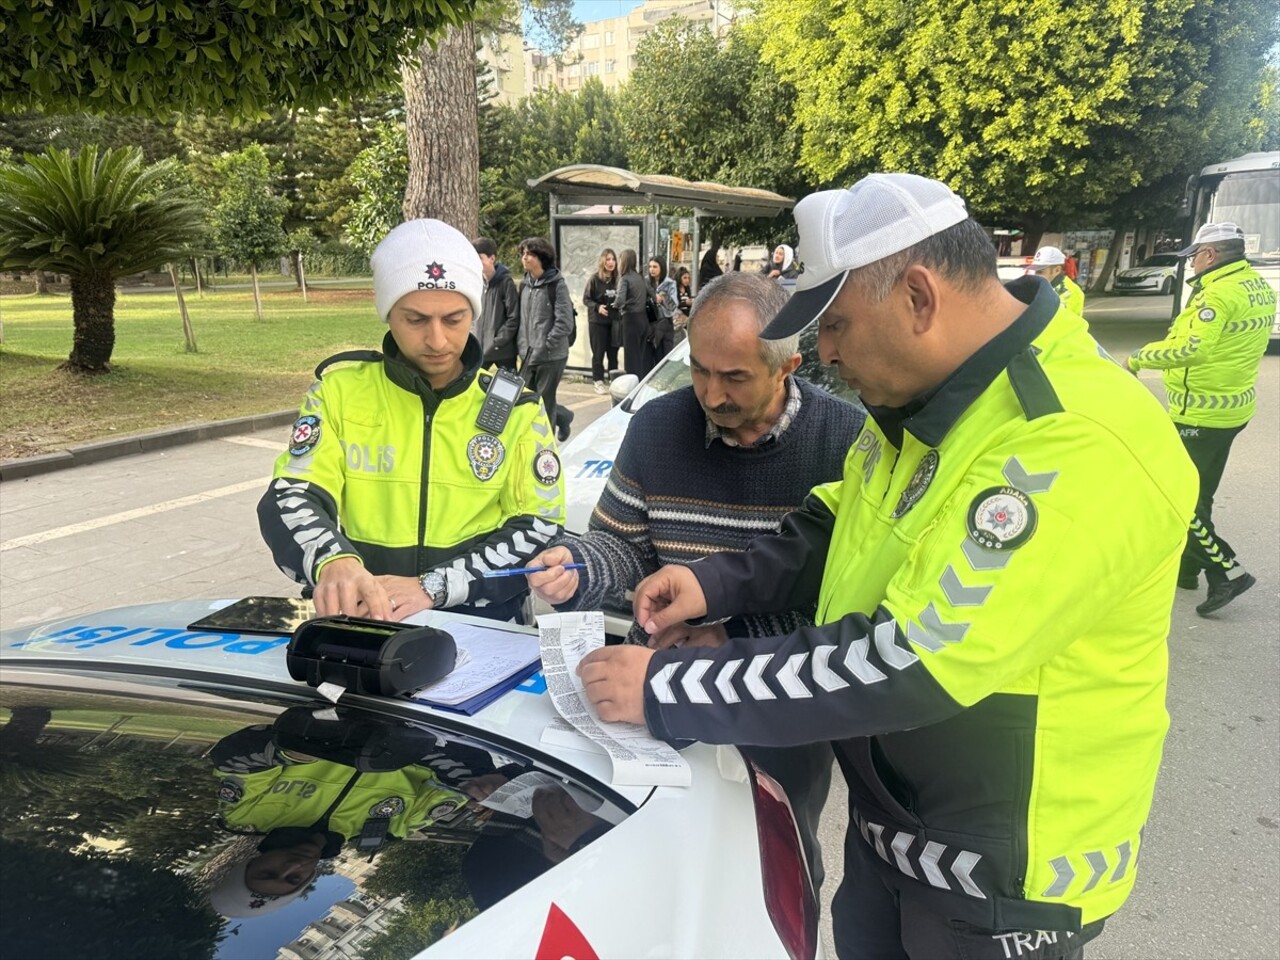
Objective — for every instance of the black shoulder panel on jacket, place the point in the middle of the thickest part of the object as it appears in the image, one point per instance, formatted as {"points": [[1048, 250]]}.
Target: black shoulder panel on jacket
{"points": [[1031, 385], [370, 355]]}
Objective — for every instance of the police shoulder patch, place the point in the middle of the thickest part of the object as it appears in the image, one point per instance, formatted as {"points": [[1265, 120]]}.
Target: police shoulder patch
{"points": [[1207, 314], [390, 807], [305, 435], [1001, 518], [230, 790], [546, 467], [486, 453]]}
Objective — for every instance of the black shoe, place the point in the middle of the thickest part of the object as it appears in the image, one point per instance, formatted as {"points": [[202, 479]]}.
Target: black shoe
{"points": [[1189, 581], [1220, 594]]}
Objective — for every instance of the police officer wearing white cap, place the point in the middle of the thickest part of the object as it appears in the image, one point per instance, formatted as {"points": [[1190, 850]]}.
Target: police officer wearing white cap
{"points": [[993, 578], [409, 474], [1051, 263], [1209, 361]]}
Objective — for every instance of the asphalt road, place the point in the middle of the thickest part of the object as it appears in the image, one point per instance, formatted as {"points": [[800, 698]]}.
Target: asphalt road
{"points": [[180, 523]]}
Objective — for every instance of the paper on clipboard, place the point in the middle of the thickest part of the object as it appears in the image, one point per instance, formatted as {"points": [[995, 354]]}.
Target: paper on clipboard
{"points": [[638, 758]]}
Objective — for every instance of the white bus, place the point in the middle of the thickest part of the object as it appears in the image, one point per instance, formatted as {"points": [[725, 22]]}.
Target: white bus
{"points": [[1244, 191]]}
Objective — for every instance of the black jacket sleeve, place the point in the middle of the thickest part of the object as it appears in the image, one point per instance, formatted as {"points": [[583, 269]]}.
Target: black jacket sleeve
{"points": [[504, 334]]}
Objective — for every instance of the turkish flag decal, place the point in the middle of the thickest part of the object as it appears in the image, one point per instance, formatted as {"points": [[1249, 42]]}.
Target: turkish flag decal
{"points": [[562, 940]]}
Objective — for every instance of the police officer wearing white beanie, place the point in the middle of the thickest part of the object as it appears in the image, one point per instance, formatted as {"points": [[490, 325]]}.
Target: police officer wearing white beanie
{"points": [[392, 496]]}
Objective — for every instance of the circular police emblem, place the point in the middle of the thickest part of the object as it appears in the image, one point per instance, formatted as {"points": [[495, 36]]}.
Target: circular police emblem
{"points": [[443, 809], [1207, 314], [486, 453], [388, 808], [305, 436], [230, 791], [918, 484], [1001, 518], [546, 467]]}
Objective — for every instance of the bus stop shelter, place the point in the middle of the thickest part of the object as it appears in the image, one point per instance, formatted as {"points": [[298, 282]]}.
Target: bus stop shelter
{"points": [[578, 237]]}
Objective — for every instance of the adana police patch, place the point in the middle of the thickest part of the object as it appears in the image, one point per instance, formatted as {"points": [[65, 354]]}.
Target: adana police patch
{"points": [[918, 484], [390, 807], [486, 453], [1001, 518], [305, 436], [1207, 314], [546, 467]]}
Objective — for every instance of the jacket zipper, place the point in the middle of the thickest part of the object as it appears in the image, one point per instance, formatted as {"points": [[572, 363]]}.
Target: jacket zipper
{"points": [[422, 487]]}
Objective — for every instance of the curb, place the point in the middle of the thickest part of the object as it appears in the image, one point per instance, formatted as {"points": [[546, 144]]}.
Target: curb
{"points": [[87, 453]]}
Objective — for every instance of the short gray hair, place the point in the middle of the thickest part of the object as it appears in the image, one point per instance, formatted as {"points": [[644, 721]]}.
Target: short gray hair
{"points": [[766, 298], [1227, 249], [963, 254]]}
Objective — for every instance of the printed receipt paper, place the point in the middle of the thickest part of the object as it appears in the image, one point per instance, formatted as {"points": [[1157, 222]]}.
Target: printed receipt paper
{"points": [[639, 760]]}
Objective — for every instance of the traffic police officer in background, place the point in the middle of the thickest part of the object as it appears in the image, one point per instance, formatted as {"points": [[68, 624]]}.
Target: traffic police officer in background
{"points": [[391, 498], [1210, 362], [1051, 263], [993, 577]]}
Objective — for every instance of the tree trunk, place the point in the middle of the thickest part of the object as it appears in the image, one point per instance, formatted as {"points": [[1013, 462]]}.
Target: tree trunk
{"points": [[1098, 284], [188, 334], [93, 300], [443, 138], [302, 275], [195, 272], [257, 294]]}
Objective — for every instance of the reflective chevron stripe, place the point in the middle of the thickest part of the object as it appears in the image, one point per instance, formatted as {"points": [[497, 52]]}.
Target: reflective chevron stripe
{"points": [[1214, 401], [931, 633], [980, 558], [691, 682], [660, 683], [960, 863], [724, 681], [958, 595], [1018, 476], [1065, 873]]}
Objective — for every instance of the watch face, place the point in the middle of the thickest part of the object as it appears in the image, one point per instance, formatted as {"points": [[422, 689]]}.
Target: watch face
{"points": [[433, 584]]}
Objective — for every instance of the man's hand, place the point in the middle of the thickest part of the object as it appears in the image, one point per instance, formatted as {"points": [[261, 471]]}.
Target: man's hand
{"points": [[561, 821], [345, 586], [684, 635], [1130, 365], [479, 788], [555, 584], [404, 595], [670, 596], [602, 310], [614, 681]]}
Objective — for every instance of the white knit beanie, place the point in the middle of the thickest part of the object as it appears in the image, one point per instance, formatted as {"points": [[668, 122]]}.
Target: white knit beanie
{"points": [[425, 255]]}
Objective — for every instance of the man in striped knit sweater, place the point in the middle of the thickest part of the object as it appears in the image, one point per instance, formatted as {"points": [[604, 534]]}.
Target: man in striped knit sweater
{"points": [[706, 469]]}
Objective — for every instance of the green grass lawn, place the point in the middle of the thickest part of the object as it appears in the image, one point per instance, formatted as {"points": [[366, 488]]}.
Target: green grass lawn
{"points": [[244, 366]]}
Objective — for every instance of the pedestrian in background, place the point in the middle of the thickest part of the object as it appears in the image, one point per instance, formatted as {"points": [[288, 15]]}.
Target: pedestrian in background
{"points": [[781, 266], [546, 324], [663, 290], [709, 268], [602, 316], [1050, 263], [632, 291], [1210, 362], [684, 302], [499, 322]]}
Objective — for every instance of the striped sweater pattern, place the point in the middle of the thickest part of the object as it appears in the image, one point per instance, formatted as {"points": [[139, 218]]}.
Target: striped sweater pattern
{"points": [[673, 498]]}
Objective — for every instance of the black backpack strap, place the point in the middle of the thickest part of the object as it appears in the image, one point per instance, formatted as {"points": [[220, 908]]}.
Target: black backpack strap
{"points": [[363, 355]]}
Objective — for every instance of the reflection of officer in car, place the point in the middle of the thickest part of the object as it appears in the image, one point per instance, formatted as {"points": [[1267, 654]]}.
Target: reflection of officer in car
{"points": [[745, 418], [391, 498], [993, 575]]}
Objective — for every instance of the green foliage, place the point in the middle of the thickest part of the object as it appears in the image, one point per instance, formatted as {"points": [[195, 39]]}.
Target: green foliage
{"points": [[1030, 109], [147, 56], [416, 927], [32, 132], [247, 221], [378, 176], [104, 213]]}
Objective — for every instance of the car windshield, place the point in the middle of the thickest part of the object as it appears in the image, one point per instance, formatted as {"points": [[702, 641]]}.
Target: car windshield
{"points": [[1160, 260], [673, 373], [162, 819]]}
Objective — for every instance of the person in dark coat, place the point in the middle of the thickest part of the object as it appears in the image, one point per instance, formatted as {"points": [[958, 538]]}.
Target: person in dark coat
{"points": [[637, 351], [602, 317], [499, 321], [546, 322]]}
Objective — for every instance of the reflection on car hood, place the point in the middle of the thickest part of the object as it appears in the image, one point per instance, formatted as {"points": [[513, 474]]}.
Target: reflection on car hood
{"points": [[1138, 273]]}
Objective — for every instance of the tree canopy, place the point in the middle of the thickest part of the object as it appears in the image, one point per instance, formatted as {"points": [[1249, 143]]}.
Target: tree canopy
{"points": [[1029, 110], [246, 57]]}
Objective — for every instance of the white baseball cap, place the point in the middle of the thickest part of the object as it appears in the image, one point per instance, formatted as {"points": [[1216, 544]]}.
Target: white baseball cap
{"points": [[842, 230], [425, 255], [1212, 233], [1048, 257]]}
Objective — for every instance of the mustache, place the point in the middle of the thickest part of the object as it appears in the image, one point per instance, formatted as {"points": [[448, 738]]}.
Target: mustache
{"points": [[726, 408]]}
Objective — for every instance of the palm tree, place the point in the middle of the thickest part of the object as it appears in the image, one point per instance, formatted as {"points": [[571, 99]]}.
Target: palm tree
{"points": [[96, 217]]}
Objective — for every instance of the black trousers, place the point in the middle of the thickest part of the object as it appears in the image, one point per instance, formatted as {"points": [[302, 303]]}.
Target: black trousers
{"points": [[874, 922], [602, 347], [804, 773], [1208, 448], [544, 379], [637, 349], [663, 337]]}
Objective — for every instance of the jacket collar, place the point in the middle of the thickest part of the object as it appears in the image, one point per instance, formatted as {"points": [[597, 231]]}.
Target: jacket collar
{"points": [[549, 275], [1220, 271], [930, 417], [407, 377]]}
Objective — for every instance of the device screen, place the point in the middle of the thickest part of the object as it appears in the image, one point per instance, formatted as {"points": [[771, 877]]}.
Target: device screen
{"points": [[273, 616], [505, 389]]}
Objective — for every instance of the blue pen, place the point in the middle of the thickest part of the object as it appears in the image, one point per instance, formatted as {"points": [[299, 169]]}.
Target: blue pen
{"points": [[521, 571]]}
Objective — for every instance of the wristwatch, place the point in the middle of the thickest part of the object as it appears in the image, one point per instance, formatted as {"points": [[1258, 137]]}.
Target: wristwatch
{"points": [[436, 587]]}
